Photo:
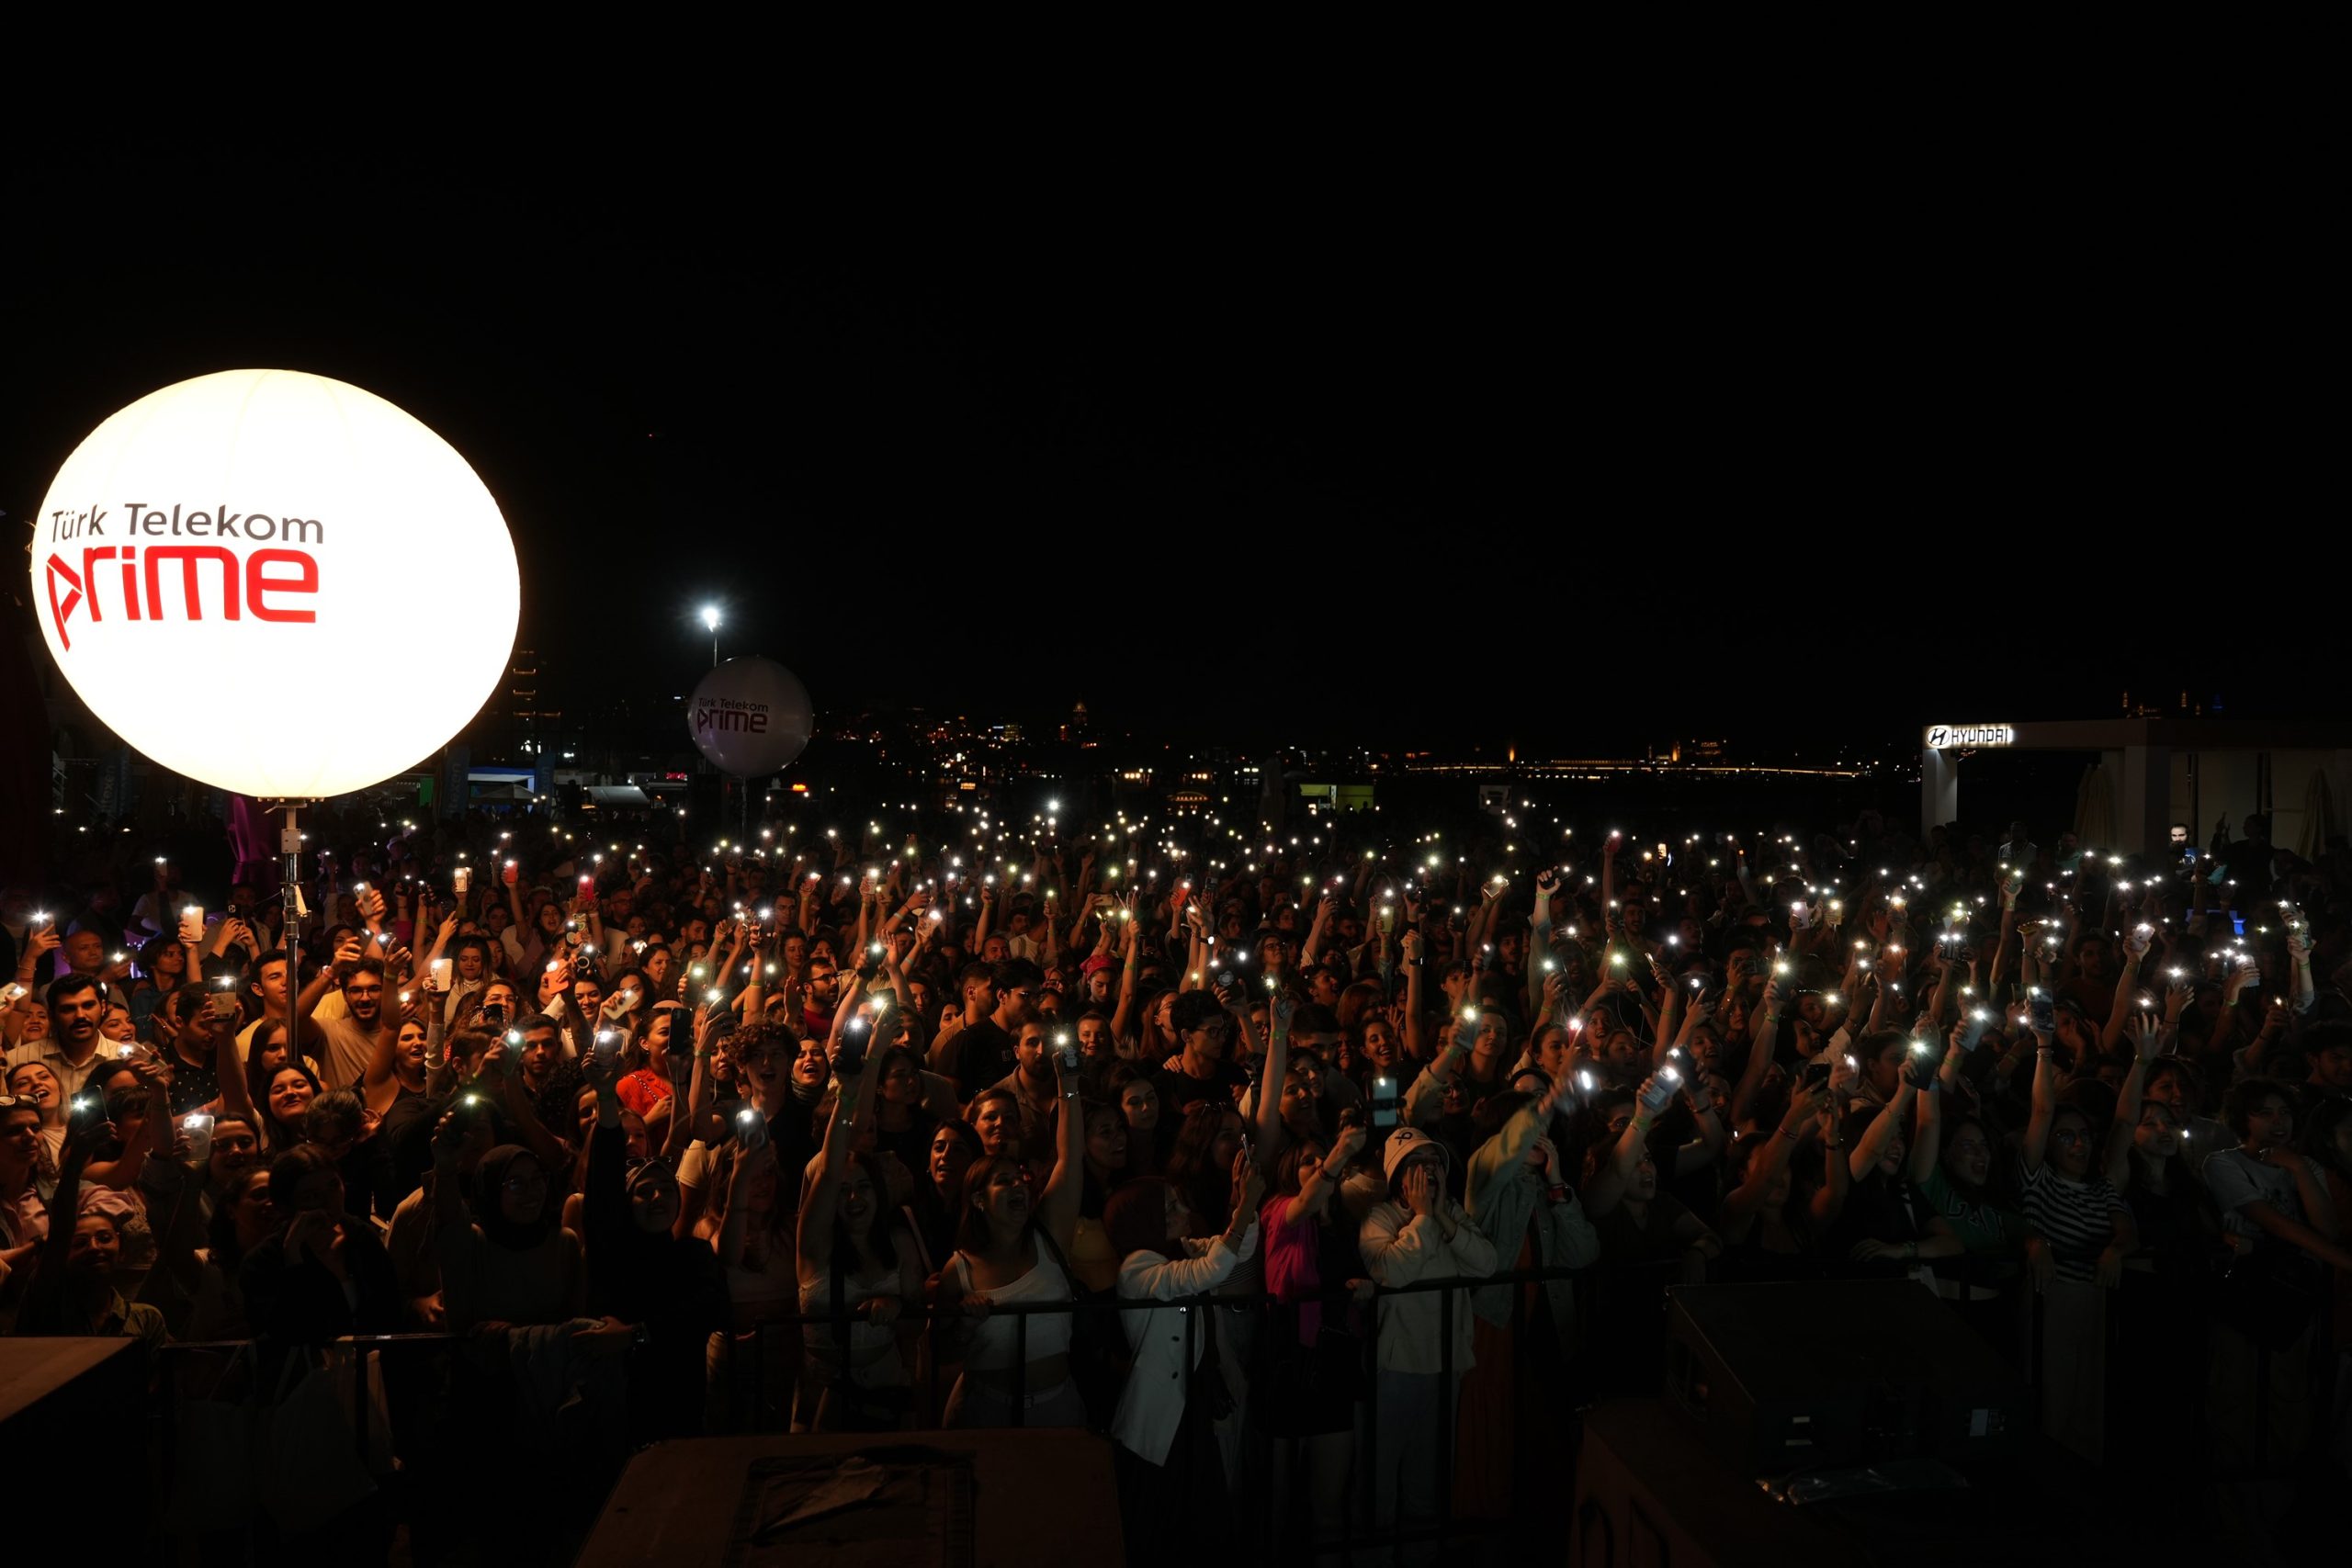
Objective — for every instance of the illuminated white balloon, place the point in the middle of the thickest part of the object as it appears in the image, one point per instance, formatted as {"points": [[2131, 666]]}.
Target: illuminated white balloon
{"points": [[226, 570], [750, 716]]}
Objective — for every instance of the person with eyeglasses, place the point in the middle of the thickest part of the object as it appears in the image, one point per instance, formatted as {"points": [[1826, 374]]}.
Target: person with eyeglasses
{"points": [[1202, 1069], [348, 1042], [34, 1083], [505, 1261]]}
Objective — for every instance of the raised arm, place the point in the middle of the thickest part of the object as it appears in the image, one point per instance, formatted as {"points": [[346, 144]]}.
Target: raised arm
{"points": [[2299, 955], [1269, 1109], [1314, 944], [2127, 982], [1872, 1144], [1759, 1055], [820, 1201], [1736, 1215], [236, 1097], [1669, 1013], [380, 1084], [1122, 1016], [2147, 1039], [1927, 1141], [1607, 1187], [2045, 1103], [1415, 1037], [316, 990], [1057, 1208], [2010, 885], [1425, 1097]]}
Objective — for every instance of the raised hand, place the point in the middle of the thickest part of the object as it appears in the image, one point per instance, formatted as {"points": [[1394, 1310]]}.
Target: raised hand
{"points": [[1656, 1094], [601, 1067]]}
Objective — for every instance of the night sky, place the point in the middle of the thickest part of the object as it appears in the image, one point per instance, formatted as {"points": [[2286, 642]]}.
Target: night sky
{"points": [[1308, 448]]}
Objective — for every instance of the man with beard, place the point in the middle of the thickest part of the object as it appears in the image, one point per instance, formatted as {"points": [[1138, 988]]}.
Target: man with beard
{"points": [[549, 1078], [77, 1006], [346, 1045]]}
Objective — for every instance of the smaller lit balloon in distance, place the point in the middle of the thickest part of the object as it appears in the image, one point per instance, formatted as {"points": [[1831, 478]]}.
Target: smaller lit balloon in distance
{"points": [[750, 716], [275, 582]]}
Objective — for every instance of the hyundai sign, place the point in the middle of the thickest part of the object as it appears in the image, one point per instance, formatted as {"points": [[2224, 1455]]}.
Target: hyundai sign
{"points": [[1960, 737], [275, 582]]}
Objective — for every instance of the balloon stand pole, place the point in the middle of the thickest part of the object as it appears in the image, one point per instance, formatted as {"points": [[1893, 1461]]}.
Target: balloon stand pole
{"points": [[289, 846]]}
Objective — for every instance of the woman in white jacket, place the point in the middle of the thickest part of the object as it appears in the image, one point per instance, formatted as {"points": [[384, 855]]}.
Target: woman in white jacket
{"points": [[1171, 1479]]}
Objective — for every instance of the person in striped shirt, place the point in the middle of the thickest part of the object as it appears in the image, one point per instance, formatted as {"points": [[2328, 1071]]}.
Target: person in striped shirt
{"points": [[2081, 1231]]}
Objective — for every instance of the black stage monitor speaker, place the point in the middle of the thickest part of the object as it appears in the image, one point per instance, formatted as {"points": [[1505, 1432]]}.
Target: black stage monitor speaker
{"points": [[1787, 1377]]}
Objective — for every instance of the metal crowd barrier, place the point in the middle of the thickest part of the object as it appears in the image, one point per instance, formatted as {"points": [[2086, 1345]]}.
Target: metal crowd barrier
{"points": [[1611, 1301]]}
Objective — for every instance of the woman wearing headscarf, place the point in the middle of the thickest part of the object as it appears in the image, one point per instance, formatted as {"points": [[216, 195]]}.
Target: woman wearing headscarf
{"points": [[504, 1261]]}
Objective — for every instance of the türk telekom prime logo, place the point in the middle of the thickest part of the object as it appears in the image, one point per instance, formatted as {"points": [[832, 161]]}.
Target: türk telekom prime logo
{"points": [[106, 557], [271, 534], [721, 715]]}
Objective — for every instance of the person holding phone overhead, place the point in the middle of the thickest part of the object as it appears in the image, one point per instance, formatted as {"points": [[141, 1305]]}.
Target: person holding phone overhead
{"points": [[1010, 1243], [854, 1257]]}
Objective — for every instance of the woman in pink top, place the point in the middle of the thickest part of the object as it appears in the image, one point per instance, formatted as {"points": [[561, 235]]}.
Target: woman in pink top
{"points": [[1314, 1351]]}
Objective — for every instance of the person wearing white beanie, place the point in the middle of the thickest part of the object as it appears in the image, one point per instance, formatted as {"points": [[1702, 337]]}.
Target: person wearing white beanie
{"points": [[1419, 1233]]}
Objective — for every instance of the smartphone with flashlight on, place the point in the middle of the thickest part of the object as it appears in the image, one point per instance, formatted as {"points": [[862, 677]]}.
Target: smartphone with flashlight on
{"points": [[850, 1060], [751, 1130], [1384, 1102]]}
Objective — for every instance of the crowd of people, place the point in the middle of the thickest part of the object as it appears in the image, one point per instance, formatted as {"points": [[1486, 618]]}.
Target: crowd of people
{"points": [[1167, 1133]]}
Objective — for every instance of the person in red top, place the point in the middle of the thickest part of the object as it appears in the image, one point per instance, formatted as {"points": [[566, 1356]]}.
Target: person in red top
{"points": [[646, 1083]]}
